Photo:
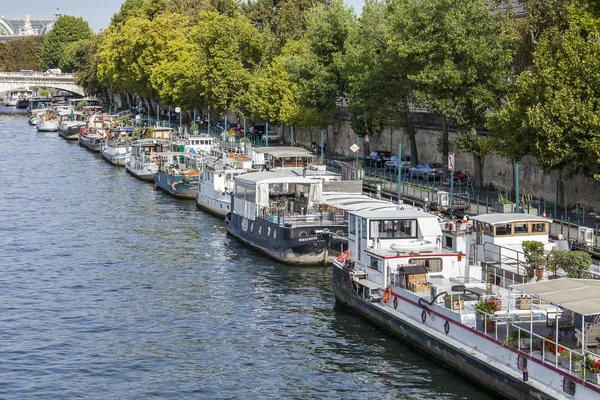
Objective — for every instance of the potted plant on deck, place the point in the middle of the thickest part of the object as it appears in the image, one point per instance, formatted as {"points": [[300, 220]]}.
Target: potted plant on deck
{"points": [[535, 257], [484, 309], [576, 361], [551, 351], [592, 366], [519, 341]]}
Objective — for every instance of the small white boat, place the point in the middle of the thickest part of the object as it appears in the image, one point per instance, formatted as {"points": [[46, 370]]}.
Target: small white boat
{"points": [[413, 245], [117, 148], [47, 122]]}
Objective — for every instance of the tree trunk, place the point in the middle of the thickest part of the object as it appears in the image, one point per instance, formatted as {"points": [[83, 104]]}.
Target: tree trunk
{"points": [[410, 130], [445, 147], [478, 162], [366, 146], [560, 188]]}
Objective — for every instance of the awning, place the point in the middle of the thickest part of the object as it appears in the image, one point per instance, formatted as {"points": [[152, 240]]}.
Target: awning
{"points": [[578, 295]]}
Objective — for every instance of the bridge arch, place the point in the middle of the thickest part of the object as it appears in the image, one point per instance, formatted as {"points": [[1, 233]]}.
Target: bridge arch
{"points": [[5, 29], [15, 80]]}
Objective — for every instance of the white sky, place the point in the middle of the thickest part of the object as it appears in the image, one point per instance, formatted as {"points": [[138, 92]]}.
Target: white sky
{"points": [[96, 13]]}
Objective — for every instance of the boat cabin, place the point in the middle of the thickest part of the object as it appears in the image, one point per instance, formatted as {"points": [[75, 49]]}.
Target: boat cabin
{"points": [[387, 241], [296, 160], [258, 194]]}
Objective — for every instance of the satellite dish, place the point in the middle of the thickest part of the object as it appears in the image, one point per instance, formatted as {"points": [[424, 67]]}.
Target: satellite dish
{"points": [[177, 109]]}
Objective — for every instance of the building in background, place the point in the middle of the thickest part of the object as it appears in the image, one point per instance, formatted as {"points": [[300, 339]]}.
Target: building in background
{"points": [[15, 27]]}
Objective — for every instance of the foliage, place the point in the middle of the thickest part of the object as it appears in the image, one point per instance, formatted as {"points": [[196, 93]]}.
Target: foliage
{"points": [[504, 198], [147, 9], [552, 112], [85, 64], [513, 337], [66, 29], [549, 346], [534, 253], [44, 93], [487, 306], [592, 364], [479, 146], [574, 263], [22, 53]]}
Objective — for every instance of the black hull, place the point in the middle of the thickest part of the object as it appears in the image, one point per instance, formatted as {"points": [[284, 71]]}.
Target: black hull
{"points": [[477, 371], [176, 186], [297, 245]]}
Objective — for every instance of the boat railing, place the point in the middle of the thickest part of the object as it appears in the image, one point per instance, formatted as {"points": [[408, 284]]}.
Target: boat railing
{"points": [[292, 218], [505, 257]]}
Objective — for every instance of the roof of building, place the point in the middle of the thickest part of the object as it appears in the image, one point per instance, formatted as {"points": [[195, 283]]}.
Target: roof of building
{"points": [[579, 295]]}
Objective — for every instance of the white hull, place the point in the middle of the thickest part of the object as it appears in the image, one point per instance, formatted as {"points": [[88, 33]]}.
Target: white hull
{"points": [[117, 156], [141, 171], [219, 205], [47, 126]]}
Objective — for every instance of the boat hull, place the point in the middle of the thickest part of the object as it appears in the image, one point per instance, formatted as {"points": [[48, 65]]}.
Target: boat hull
{"points": [[93, 144], [176, 186], [118, 159], [70, 132], [218, 206], [460, 359], [47, 126], [144, 174], [297, 245]]}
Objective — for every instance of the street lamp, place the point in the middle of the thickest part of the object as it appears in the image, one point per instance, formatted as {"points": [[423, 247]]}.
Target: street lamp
{"points": [[178, 110]]}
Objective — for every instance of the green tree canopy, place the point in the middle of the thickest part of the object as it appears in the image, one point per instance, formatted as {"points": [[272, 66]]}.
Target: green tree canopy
{"points": [[66, 29], [22, 53]]}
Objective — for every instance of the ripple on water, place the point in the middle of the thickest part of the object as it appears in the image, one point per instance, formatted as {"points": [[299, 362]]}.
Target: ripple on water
{"points": [[112, 289]]}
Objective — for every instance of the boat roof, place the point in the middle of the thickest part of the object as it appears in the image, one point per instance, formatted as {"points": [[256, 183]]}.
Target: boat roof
{"points": [[283, 151], [579, 295], [507, 218], [273, 177], [356, 202], [401, 213]]}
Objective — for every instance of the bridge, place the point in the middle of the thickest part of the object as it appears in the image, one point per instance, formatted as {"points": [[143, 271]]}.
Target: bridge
{"points": [[15, 80]]}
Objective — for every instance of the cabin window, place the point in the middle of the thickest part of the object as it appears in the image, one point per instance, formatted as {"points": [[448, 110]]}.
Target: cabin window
{"points": [[503, 229], [431, 264], [240, 192], [521, 229], [251, 194], [487, 229], [353, 224], [374, 263], [541, 227], [364, 228], [390, 229]]}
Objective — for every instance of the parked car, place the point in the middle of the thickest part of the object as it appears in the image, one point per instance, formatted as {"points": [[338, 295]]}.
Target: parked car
{"points": [[426, 170], [256, 131], [392, 164], [272, 136], [377, 159]]}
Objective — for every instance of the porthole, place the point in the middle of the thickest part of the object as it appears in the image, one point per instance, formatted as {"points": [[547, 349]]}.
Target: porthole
{"points": [[275, 234], [252, 227], [268, 231], [259, 230]]}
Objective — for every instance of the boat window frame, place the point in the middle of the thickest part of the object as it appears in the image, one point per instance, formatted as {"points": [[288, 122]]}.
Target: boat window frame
{"points": [[397, 233], [365, 228], [427, 262], [352, 225]]}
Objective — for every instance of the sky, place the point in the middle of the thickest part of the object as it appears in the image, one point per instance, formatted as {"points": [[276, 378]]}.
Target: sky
{"points": [[96, 13]]}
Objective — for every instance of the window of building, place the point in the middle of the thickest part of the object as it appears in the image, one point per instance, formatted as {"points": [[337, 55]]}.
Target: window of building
{"points": [[431, 264]]}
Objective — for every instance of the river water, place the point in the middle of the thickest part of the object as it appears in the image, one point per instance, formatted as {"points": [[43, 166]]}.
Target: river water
{"points": [[111, 289]]}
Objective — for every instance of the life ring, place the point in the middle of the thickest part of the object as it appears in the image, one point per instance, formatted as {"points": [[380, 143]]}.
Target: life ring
{"points": [[447, 327], [387, 294], [344, 256], [173, 185], [302, 234], [395, 303], [424, 316]]}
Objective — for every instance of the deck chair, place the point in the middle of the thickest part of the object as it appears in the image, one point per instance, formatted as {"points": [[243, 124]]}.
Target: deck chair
{"points": [[565, 321], [592, 335]]}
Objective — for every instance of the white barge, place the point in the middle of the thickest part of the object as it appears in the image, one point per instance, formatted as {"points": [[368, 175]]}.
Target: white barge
{"points": [[431, 297]]}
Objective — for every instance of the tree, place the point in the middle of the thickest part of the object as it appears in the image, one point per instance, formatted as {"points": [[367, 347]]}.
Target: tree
{"points": [[22, 53], [147, 9], [552, 114], [66, 29], [85, 64], [479, 146], [316, 66], [464, 50]]}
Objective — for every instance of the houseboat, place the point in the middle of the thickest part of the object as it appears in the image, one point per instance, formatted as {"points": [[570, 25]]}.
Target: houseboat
{"points": [[178, 174], [70, 123], [417, 279], [117, 147]]}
